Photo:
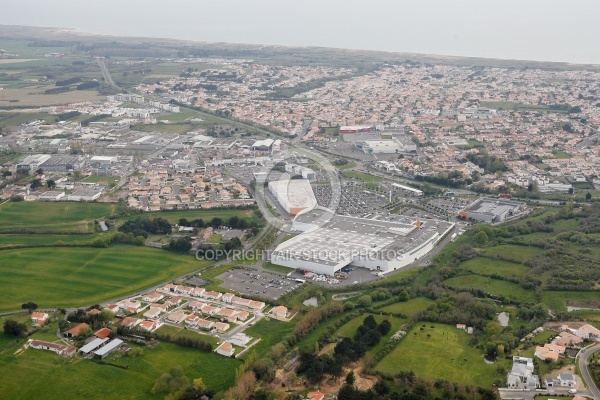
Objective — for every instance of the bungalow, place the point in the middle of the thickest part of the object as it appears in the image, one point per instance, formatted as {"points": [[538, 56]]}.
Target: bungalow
{"points": [[153, 313], [130, 322], [76, 330], [221, 327], [169, 287], [564, 379], [550, 351], [257, 305], [462, 327], [587, 331], [196, 305], [212, 295], [149, 326], [102, 333], [228, 313], [113, 308], [132, 306], [39, 318], [93, 311], [153, 297], [184, 289], [225, 349], [173, 301], [227, 297], [315, 395], [209, 310], [198, 292], [60, 349], [279, 311], [242, 315], [205, 324], [567, 339], [177, 316]]}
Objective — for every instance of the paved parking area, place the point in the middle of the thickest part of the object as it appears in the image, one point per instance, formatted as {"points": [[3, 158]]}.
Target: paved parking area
{"points": [[355, 276], [354, 200], [258, 283]]}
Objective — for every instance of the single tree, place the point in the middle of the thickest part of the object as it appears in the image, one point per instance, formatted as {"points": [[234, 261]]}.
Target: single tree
{"points": [[30, 306]]}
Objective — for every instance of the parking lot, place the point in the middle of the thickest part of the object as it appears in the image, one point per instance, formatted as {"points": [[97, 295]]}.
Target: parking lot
{"points": [[355, 276], [252, 282], [354, 200]]}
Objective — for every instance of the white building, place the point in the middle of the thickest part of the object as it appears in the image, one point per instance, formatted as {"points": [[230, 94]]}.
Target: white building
{"points": [[521, 375], [294, 195]]}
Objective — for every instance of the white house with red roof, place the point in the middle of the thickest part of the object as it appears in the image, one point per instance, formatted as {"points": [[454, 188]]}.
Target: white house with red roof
{"points": [[225, 349], [39, 318]]}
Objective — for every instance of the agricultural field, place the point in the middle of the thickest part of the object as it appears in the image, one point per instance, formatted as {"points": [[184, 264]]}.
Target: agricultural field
{"points": [[439, 352], [51, 217], [34, 240], [408, 307], [488, 266], [492, 286], [518, 253], [71, 277], [558, 301], [36, 371]]}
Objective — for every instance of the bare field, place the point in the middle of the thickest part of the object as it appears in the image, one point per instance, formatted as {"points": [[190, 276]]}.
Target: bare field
{"points": [[16, 60], [35, 96]]}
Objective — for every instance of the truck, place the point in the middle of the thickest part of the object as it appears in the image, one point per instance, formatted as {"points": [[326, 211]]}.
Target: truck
{"points": [[453, 237]]}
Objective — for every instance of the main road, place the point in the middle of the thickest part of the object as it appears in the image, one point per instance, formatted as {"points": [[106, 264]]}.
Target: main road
{"points": [[583, 361]]}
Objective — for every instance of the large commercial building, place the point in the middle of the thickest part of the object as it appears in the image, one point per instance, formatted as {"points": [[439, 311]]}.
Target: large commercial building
{"points": [[492, 210], [294, 195], [331, 242]]}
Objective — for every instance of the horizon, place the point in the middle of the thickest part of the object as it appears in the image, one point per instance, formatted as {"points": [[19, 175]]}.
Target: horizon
{"points": [[459, 28]]}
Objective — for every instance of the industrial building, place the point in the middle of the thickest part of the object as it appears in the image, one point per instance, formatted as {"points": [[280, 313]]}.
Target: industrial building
{"points": [[355, 129], [331, 242], [294, 195], [492, 210]]}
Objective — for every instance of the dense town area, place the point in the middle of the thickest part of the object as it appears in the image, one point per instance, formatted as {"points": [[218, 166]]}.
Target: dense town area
{"points": [[198, 226]]}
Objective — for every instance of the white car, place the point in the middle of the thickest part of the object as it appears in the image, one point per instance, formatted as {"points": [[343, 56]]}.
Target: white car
{"points": [[572, 391]]}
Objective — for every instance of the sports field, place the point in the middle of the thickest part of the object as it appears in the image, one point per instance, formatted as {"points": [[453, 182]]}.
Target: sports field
{"points": [[51, 217], [441, 352], [70, 277]]}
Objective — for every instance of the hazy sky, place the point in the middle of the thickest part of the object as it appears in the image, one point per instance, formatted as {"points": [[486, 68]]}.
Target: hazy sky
{"points": [[549, 30]]}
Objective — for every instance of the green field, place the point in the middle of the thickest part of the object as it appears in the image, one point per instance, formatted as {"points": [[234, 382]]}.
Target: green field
{"points": [[70, 277], [206, 215], [34, 372], [518, 253], [270, 332], [446, 354], [51, 217], [215, 238], [361, 176], [42, 240], [488, 266], [349, 329], [492, 286], [558, 301], [102, 179], [278, 268], [408, 307]]}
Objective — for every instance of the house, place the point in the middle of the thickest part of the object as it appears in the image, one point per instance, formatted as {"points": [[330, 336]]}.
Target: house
{"points": [[149, 326], [209, 310], [169, 287], [184, 289], [130, 322], [153, 313], [227, 297], [198, 292], [567, 339], [173, 301], [242, 315], [76, 330], [131, 306], [212, 295], [550, 351], [257, 305], [102, 333], [177, 316], [462, 327], [113, 308], [60, 349], [225, 349], [521, 375], [279, 311], [153, 297], [196, 305], [564, 380], [204, 324], [587, 331], [315, 395], [240, 339], [93, 311], [221, 327], [39, 318]]}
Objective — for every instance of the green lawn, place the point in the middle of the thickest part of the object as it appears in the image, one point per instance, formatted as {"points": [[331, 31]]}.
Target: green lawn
{"points": [[215, 238], [542, 338], [270, 332], [361, 176], [408, 307], [107, 180], [561, 154], [492, 286], [489, 266], [558, 301], [36, 372], [278, 268], [445, 354], [68, 277], [51, 217], [519, 253]]}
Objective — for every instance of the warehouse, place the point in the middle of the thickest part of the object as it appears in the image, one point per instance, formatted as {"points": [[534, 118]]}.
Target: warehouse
{"points": [[331, 242], [109, 348], [492, 210], [294, 195]]}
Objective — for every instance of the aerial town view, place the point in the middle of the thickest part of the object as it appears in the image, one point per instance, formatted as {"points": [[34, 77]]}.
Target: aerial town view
{"points": [[185, 216]]}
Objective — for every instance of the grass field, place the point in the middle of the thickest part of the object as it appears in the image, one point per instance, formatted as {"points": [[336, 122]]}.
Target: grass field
{"points": [[558, 301], [51, 217], [36, 371], [492, 286], [561, 154], [278, 268], [349, 329], [69, 277], [488, 266], [408, 307], [519, 253], [206, 215], [445, 354], [41, 240], [270, 332], [102, 179], [361, 176]]}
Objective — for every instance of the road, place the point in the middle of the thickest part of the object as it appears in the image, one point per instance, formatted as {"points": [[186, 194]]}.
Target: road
{"points": [[583, 360], [107, 77]]}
